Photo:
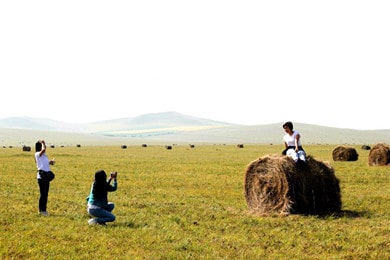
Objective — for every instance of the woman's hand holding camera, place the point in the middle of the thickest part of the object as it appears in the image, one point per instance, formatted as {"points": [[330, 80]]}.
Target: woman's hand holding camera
{"points": [[113, 175], [52, 161]]}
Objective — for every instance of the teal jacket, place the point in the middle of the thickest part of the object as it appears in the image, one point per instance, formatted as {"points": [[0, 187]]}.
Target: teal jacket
{"points": [[101, 201]]}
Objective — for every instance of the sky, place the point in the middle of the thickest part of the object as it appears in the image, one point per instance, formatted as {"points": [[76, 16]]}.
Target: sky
{"points": [[245, 62]]}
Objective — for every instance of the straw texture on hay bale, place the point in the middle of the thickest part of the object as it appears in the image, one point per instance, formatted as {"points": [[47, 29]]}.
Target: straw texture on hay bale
{"points": [[274, 184], [379, 155], [345, 153]]}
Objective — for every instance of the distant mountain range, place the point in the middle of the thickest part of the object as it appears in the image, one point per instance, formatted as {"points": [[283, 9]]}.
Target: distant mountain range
{"points": [[173, 127]]}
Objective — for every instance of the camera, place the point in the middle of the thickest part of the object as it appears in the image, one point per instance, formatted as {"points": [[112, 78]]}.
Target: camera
{"points": [[113, 174]]}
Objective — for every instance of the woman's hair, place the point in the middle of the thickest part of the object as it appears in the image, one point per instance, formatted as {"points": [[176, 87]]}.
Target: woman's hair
{"points": [[100, 176], [100, 184], [38, 146], [288, 124]]}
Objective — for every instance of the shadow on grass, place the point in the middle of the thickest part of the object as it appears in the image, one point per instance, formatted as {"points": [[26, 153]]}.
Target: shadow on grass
{"points": [[345, 214], [130, 224]]}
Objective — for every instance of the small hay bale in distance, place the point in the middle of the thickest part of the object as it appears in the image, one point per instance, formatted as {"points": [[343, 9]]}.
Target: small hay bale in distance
{"points": [[345, 153], [379, 155], [275, 185], [26, 148]]}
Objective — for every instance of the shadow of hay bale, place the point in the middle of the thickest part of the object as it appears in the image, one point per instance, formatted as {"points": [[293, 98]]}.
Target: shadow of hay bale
{"points": [[274, 184], [345, 153], [379, 155]]}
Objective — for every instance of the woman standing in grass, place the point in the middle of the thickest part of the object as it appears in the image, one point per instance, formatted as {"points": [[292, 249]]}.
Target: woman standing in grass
{"points": [[98, 205], [44, 175]]}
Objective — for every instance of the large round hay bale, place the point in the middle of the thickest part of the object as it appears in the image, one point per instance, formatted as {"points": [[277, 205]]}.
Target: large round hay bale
{"points": [[345, 153], [274, 184], [379, 155]]}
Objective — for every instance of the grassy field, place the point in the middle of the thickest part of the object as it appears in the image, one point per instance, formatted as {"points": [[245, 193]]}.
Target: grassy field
{"points": [[184, 203]]}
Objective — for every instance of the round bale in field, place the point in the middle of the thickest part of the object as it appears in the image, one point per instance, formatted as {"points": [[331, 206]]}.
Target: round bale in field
{"points": [[345, 153], [26, 148], [379, 155], [274, 184]]}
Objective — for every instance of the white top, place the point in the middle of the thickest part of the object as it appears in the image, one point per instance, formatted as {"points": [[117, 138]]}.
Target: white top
{"points": [[43, 163], [290, 139]]}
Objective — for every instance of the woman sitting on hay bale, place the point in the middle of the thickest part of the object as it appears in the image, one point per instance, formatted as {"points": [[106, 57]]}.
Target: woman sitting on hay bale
{"points": [[292, 144]]}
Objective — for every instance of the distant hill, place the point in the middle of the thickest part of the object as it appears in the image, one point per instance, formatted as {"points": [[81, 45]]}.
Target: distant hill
{"points": [[155, 123], [39, 124], [173, 127], [165, 120]]}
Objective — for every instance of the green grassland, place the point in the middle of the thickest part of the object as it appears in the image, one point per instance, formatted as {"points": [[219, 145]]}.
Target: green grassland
{"points": [[184, 203]]}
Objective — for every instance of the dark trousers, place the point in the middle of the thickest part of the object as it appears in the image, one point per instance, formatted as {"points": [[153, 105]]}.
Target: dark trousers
{"points": [[44, 193]]}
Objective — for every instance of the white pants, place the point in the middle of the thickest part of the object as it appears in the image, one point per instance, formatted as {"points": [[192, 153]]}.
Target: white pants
{"points": [[296, 155]]}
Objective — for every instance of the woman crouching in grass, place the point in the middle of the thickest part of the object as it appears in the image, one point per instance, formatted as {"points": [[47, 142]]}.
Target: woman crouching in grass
{"points": [[98, 205]]}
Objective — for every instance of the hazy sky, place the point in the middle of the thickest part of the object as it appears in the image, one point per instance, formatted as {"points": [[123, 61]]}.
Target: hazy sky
{"points": [[245, 62]]}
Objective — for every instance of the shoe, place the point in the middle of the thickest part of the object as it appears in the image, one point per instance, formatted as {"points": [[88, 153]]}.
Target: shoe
{"points": [[301, 164], [92, 221], [44, 213]]}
